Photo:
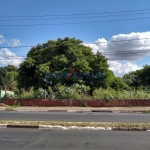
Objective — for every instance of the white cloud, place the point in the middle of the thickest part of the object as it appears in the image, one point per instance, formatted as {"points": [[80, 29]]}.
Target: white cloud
{"points": [[14, 42], [7, 57], [5, 52], [125, 49], [2, 40], [99, 45], [120, 69], [128, 50]]}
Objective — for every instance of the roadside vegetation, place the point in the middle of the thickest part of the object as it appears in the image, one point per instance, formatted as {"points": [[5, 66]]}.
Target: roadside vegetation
{"points": [[11, 108], [80, 68], [82, 92]]}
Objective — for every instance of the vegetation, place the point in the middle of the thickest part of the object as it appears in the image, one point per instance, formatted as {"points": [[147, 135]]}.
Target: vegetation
{"points": [[139, 78], [62, 55], [8, 77], [11, 108], [65, 68]]}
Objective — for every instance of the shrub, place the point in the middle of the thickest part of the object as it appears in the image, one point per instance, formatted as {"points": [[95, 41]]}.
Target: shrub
{"points": [[109, 94], [40, 93], [9, 108], [75, 91], [105, 94]]}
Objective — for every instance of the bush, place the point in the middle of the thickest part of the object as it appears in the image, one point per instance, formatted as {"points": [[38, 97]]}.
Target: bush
{"points": [[109, 94], [105, 94], [40, 93], [9, 108], [81, 91], [27, 94], [8, 95], [75, 91]]}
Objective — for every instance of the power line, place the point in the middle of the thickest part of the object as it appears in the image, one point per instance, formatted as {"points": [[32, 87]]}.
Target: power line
{"points": [[85, 43], [104, 21], [78, 14], [119, 41], [9, 58], [104, 53], [78, 17], [127, 51], [16, 46]]}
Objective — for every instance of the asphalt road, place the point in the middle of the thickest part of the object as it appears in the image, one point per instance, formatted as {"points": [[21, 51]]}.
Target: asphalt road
{"points": [[33, 139], [74, 116]]}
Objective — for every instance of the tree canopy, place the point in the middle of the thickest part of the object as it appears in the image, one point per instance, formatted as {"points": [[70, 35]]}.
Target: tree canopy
{"points": [[8, 77], [63, 55], [139, 78]]}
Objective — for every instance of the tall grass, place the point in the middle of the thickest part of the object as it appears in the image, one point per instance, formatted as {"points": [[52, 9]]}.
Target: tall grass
{"points": [[110, 94]]}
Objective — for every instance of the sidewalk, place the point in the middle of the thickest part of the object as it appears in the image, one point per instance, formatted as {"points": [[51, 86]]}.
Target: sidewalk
{"points": [[76, 109]]}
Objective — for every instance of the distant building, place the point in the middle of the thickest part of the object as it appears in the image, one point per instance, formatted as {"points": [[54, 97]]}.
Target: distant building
{"points": [[2, 94]]}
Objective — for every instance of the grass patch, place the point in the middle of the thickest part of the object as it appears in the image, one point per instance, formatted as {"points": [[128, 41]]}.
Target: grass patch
{"points": [[110, 94], [147, 112], [9, 108]]}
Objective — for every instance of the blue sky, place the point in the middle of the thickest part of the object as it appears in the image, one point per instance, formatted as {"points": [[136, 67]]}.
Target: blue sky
{"points": [[33, 12]]}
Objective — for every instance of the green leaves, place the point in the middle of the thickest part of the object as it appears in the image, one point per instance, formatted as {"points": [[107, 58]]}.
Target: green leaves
{"points": [[41, 69], [63, 55], [81, 65], [8, 77], [59, 62], [139, 78]]}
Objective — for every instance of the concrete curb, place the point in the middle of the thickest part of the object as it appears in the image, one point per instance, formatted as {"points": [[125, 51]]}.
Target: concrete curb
{"points": [[133, 111], [3, 125], [58, 127], [22, 126], [57, 110], [102, 111], [32, 110], [81, 111], [55, 127]]}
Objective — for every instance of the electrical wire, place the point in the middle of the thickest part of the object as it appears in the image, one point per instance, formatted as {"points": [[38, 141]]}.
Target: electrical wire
{"points": [[79, 14], [118, 41], [78, 17], [84, 43], [77, 23], [16, 46], [106, 53], [142, 51]]}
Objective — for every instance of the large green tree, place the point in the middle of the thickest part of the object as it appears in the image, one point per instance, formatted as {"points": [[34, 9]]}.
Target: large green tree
{"points": [[10, 68], [62, 56], [3, 78], [8, 77]]}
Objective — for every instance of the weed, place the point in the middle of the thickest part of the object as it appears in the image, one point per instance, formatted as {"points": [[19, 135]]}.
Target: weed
{"points": [[85, 105], [147, 111], [9, 108]]}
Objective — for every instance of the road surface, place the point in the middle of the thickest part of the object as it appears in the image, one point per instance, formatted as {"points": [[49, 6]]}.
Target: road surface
{"points": [[74, 116], [33, 139]]}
